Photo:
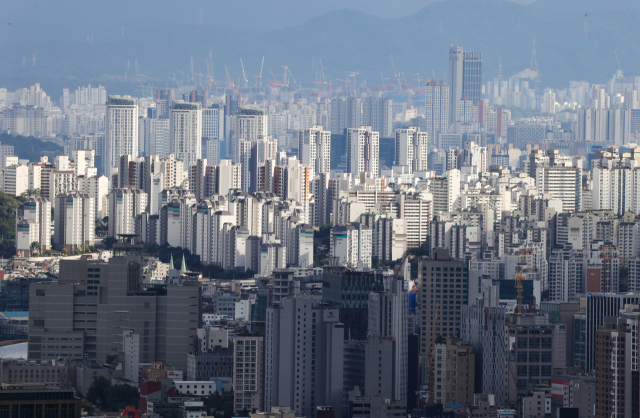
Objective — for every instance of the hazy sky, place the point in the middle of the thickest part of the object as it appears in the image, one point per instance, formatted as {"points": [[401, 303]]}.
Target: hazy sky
{"points": [[249, 15]]}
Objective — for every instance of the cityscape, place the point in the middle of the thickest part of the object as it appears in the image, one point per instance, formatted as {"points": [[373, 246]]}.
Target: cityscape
{"points": [[191, 242]]}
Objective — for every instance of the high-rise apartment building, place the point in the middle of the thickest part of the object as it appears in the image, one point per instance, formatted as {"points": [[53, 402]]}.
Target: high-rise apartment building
{"points": [[346, 112], [412, 149], [33, 224], [363, 151], [616, 367], [124, 205], [314, 149], [185, 131], [446, 191], [564, 183], [443, 287], [304, 361], [437, 98], [74, 221], [213, 122], [483, 328], [248, 372], [377, 112], [164, 98], [121, 130], [251, 124], [388, 319]]}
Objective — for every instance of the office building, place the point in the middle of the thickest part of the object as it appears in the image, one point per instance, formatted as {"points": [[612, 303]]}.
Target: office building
{"points": [[534, 347], [121, 130], [101, 296], [22, 399], [443, 291], [304, 349], [131, 354], [185, 131]]}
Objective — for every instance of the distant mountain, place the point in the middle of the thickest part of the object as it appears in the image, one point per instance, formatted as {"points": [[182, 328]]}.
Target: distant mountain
{"points": [[344, 40]]}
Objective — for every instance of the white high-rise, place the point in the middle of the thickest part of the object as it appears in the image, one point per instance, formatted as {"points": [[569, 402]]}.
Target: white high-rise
{"points": [[437, 108], [412, 149], [185, 131], [121, 130], [74, 221], [251, 124], [314, 149], [363, 151]]}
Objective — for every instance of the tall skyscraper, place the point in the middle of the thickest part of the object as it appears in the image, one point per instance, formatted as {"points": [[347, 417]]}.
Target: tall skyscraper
{"points": [[185, 131], [437, 109], [465, 78], [472, 76], [314, 149], [455, 80], [121, 130], [74, 221], [363, 151]]}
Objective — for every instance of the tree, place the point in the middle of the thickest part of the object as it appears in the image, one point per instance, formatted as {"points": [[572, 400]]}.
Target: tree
{"points": [[35, 246], [112, 398], [120, 396], [97, 392], [244, 413]]}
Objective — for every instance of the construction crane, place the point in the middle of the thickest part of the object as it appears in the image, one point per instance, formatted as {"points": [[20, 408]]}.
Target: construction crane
{"points": [[520, 277], [322, 69], [346, 83], [229, 82], [199, 74], [286, 78], [354, 74], [261, 67], [396, 270], [244, 77], [431, 355]]}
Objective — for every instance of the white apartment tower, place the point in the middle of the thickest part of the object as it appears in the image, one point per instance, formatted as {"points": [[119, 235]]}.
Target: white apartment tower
{"points": [[74, 221], [412, 149], [121, 129], [314, 149], [185, 131], [437, 108], [251, 124], [363, 151]]}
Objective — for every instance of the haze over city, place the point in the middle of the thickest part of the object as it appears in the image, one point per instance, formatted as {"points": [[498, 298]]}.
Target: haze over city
{"points": [[338, 209]]}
